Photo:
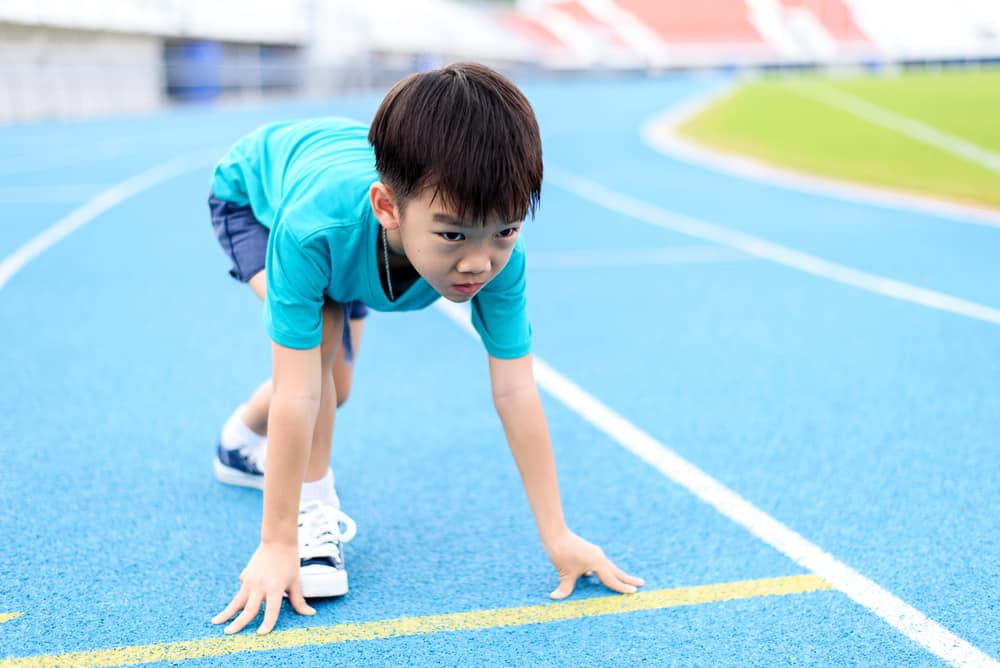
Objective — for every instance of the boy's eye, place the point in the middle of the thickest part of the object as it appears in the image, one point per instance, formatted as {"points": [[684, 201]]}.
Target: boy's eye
{"points": [[507, 233], [452, 236]]}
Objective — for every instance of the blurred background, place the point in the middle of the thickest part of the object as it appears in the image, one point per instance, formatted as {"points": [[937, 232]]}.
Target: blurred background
{"points": [[70, 59], [826, 347]]}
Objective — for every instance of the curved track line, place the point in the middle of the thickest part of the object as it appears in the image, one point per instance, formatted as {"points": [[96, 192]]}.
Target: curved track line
{"points": [[93, 208], [767, 250], [659, 132]]}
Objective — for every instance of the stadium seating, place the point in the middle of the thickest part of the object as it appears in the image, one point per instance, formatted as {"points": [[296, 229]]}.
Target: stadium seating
{"points": [[700, 22], [719, 32], [834, 15], [130, 55]]}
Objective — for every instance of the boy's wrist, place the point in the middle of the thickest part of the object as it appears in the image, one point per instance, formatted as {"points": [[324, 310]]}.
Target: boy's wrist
{"points": [[283, 532], [553, 535], [279, 544], [279, 538]]}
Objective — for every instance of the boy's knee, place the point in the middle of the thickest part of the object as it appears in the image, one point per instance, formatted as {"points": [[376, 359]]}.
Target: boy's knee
{"points": [[342, 377], [342, 396]]}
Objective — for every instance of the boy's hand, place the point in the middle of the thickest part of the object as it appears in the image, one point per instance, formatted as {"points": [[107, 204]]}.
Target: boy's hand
{"points": [[272, 570], [573, 556]]}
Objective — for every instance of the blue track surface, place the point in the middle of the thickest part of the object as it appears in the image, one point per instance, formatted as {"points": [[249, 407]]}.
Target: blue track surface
{"points": [[869, 425]]}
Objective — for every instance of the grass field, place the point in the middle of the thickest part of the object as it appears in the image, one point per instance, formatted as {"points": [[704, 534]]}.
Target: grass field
{"points": [[789, 122]]}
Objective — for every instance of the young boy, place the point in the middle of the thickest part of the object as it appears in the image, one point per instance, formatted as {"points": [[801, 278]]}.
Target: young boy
{"points": [[324, 218]]}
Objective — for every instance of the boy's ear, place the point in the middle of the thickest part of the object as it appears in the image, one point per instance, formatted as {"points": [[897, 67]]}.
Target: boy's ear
{"points": [[384, 205]]}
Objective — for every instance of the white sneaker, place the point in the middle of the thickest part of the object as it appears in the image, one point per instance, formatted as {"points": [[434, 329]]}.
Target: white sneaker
{"points": [[321, 549], [241, 466]]}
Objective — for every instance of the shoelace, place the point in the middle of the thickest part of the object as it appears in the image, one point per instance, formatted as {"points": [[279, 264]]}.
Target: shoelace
{"points": [[322, 526], [256, 455]]}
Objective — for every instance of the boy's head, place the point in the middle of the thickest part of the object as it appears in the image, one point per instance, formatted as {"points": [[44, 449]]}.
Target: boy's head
{"points": [[460, 161], [466, 133]]}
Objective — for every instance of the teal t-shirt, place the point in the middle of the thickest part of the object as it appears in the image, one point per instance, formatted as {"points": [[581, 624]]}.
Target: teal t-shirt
{"points": [[308, 182]]}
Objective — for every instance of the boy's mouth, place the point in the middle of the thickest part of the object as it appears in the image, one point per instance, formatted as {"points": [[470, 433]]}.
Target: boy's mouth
{"points": [[468, 288]]}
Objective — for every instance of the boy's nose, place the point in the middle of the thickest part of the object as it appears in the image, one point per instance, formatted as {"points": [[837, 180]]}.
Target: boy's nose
{"points": [[475, 264]]}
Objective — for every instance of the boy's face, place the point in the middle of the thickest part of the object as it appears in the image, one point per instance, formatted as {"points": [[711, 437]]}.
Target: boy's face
{"points": [[456, 258]]}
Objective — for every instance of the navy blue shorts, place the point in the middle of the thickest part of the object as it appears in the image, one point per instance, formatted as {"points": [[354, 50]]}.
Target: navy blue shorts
{"points": [[244, 240]]}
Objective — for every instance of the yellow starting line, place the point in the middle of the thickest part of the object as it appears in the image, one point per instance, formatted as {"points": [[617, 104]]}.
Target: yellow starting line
{"points": [[413, 626]]}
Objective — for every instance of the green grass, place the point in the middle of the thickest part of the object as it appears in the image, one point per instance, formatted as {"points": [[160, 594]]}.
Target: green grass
{"points": [[775, 121]]}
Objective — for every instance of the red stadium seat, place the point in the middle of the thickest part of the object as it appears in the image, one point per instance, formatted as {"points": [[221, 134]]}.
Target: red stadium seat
{"points": [[698, 21]]}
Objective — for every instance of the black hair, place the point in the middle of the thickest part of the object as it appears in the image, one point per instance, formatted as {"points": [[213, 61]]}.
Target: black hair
{"points": [[466, 131]]}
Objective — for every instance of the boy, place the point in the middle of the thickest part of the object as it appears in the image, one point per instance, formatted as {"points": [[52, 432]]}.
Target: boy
{"points": [[324, 218]]}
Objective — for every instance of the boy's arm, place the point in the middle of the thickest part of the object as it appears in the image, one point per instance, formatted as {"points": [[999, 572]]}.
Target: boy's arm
{"points": [[274, 567], [295, 396], [516, 399]]}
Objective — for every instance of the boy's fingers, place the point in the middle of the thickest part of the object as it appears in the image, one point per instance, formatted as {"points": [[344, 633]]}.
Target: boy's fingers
{"points": [[236, 604], [565, 588], [612, 582], [271, 610], [298, 601], [249, 612], [625, 577]]}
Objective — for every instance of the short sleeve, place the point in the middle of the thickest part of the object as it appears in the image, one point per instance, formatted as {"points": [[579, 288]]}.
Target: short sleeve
{"points": [[298, 273], [500, 311]]}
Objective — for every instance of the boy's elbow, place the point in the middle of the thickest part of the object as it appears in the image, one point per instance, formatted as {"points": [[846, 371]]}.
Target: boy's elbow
{"points": [[513, 395], [297, 397], [512, 381]]}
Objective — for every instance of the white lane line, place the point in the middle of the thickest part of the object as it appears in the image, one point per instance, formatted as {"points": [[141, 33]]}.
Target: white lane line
{"points": [[660, 133], [633, 257], [783, 255], [901, 124], [109, 198], [897, 613]]}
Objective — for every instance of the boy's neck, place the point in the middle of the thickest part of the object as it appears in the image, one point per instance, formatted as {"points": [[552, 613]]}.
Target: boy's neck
{"points": [[402, 272], [395, 243]]}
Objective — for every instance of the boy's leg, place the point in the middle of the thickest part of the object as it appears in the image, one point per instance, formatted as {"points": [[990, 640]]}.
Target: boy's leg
{"points": [[255, 414], [322, 442], [337, 379], [343, 369]]}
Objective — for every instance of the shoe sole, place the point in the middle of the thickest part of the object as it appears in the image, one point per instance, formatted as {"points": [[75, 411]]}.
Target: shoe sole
{"points": [[231, 476], [329, 582]]}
